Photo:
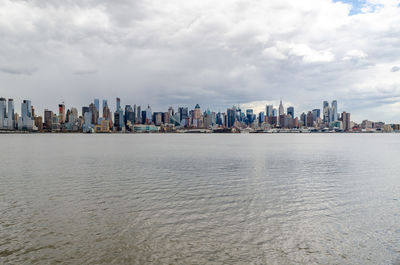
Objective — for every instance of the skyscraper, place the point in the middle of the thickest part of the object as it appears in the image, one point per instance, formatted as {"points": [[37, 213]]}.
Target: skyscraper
{"points": [[47, 119], [149, 115], [334, 114], [196, 119], [183, 113], [171, 111], [95, 113], [118, 104], [107, 115], [119, 119], [26, 115], [84, 110], [11, 121], [231, 114], [138, 115], [325, 111], [261, 117], [3, 112], [249, 116], [346, 121], [303, 119], [281, 109], [129, 115], [290, 111], [61, 113], [105, 104], [316, 114], [97, 105], [309, 119], [268, 110]]}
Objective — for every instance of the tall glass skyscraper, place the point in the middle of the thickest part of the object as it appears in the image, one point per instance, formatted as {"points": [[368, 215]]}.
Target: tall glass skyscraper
{"points": [[97, 104], [334, 115], [11, 122], [290, 110], [268, 110], [3, 112]]}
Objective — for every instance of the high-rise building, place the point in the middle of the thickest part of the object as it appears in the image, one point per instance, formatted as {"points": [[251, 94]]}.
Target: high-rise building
{"points": [[26, 115], [309, 119], [249, 116], [149, 115], [166, 118], [138, 115], [129, 115], [67, 116], [171, 111], [316, 114], [325, 111], [39, 123], [157, 118], [143, 116], [118, 104], [334, 114], [87, 117], [10, 115], [231, 115], [281, 109], [95, 113], [105, 104], [268, 110], [183, 113], [303, 119], [207, 119], [96, 104], [346, 121], [261, 117], [119, 123], [61, 113], [239, 115], [3, 113], [47, 119], [290, 111], [274, 112], [73, 116], [196, 117], [84, 110]]}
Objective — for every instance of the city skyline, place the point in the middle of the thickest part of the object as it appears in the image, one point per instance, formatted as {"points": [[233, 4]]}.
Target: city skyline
{"points": [[133, 118], [215, 54], [256, 106]]}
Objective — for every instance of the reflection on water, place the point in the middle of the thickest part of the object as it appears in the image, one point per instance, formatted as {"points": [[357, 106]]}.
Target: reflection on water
{"points": [[196, 199]]}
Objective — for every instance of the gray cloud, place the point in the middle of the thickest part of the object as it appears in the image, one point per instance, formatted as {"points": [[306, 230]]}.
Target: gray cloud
{"points": [[213, 53], [85, 72], [18, 71]]}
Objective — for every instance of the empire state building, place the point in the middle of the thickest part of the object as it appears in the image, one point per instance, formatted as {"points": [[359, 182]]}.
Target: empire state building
{"points": [[281, 109]]}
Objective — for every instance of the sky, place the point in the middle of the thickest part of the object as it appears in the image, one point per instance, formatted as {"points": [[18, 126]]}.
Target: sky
{"points": [[215, 53]]}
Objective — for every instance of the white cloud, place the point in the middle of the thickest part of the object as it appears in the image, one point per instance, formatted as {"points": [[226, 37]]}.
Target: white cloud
{"points": [[355, 54]]}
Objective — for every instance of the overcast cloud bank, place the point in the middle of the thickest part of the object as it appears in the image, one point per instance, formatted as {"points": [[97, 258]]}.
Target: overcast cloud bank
{"points": [[215, 53]]}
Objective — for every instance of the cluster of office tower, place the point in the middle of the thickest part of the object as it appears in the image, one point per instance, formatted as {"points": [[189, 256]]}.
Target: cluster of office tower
{"points": [[100, 118]]}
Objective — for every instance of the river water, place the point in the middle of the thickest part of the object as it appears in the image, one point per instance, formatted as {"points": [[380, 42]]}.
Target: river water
{"points": [[200, 199]]}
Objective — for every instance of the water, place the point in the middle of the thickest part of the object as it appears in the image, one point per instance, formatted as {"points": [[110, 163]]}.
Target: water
{"points": [[200, 199]]}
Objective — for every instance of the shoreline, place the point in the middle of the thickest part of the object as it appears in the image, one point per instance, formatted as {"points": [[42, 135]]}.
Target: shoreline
{"points": [[198, 132]]}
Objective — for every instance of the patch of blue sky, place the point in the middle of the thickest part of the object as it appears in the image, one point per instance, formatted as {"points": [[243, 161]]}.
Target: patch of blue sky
{"points": [[360, 6]]}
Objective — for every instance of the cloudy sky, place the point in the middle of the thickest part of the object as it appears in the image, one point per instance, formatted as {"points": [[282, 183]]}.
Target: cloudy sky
{"points": [[215, 53]]}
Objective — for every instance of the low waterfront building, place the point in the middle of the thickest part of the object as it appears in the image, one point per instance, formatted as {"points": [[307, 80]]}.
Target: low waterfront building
{"points": [[103, 127], [145, 128]]}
